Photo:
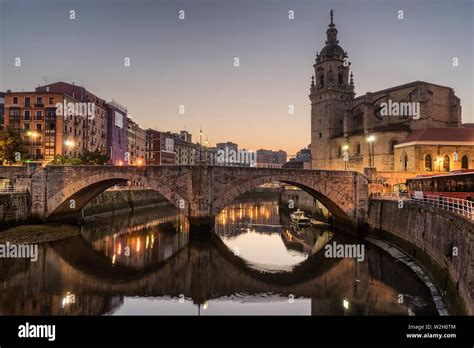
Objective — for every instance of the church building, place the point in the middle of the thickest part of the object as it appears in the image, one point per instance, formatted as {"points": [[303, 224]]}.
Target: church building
{"points": [[349, 132]]}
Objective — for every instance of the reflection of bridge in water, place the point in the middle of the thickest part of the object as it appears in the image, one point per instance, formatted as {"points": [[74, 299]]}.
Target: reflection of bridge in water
{"points": [[201, 271]]}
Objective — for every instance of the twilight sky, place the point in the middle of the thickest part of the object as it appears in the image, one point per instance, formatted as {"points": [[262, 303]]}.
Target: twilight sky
{"points": [[190, 62]]}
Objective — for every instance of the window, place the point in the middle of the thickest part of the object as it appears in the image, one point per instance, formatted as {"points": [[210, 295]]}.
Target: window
{"points": [[15, 100], [39, 101], [446, 163], [51, 100], [320, 135], [392, 146], [39, 115], [27, 115], [404, 162], [428, 163], [321, 81], [27, 102], [357, 149], [464, 162], [339, 79]]}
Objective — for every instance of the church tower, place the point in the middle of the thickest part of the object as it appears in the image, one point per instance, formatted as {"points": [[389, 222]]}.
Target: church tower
{"points": [[331, 95]]}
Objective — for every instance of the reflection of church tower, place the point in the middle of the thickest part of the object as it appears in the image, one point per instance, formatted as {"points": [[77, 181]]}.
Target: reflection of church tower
{"points": [[331, 95]]}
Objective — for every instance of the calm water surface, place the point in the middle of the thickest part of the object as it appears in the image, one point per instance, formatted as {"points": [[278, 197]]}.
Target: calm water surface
{"points": [[145, 263]]}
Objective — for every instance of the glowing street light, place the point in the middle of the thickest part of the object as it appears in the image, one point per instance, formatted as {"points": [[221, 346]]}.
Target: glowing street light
{"points": [[370, 140], [69, 143], [345, 147], [139, 162]]}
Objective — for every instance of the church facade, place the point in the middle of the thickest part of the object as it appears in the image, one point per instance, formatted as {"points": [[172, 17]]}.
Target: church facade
{"points": [[349, 132]]}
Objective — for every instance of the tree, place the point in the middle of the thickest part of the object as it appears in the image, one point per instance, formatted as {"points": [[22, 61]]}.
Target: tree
{"points": [[95, 157], [12, 147], [60, 160]]}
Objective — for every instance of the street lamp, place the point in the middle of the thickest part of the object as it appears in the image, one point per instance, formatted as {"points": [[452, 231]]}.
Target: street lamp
{"points": [[69, 144], [345, 147], [370, 140]]}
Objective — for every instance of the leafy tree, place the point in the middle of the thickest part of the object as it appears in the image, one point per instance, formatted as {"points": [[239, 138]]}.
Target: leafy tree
{"points": [[60, 160], [95, 157], [12, 147]]}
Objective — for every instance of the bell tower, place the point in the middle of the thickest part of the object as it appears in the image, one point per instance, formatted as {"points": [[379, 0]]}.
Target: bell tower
{"points": [[331, 95]]}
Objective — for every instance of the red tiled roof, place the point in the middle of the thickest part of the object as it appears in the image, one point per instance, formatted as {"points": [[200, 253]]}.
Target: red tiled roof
{"points": [[442, 134]]}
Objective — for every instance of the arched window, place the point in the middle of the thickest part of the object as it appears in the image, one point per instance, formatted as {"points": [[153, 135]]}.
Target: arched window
{"points": [[357, 149], [392, 146], [321, 80], [428, 163], [404, 162], [465, 162], [339, 78], [446, 163], [339, 150]]}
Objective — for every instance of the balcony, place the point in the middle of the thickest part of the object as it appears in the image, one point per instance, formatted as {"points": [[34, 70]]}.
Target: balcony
{"points": [[39, 105]]}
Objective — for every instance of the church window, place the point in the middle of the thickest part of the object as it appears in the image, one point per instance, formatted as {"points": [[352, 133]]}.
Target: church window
{"points": [[357, 149], [405, 162], [339, 78], [464, 162], [428, 163], [321, 81], [320, 135], [392, 146]]}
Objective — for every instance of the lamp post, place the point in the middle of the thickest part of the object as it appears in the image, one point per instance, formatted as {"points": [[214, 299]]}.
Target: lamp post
{"points": [[370, 140], [345, 147]]}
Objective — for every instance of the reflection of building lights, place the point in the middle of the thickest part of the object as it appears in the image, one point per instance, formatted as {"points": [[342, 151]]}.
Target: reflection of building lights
{"points": [[113, 260], [138, 245], [205, 305], [119, 248], [345, 303], [147, 242]]}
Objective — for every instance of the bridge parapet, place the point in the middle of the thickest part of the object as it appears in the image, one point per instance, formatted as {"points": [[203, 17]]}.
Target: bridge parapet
{"points": [[199, 191]]}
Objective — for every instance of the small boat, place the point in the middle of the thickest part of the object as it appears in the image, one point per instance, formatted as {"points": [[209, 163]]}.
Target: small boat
{"points": [[298, 218]]}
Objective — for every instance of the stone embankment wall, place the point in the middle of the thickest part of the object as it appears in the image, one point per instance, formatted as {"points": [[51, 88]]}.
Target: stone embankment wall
{"points": [[441, 241], [14, 208]]}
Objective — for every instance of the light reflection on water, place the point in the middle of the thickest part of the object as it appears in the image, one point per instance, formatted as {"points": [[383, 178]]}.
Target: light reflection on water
{"points": [[145, 264]]}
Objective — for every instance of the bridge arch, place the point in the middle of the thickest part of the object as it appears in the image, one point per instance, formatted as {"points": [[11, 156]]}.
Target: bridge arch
{"points": [[76, 194], [333, 195]]}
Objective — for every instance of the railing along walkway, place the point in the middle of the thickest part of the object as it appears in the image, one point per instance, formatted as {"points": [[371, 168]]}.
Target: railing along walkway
{"points": [[458, 206]]}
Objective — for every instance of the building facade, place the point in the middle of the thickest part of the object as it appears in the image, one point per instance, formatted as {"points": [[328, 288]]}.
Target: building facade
{"points": [[94, 127], [45, 134], [117, 131], [271, 159], [436, 150], [353, 133], [136, 143], [160, 148]]}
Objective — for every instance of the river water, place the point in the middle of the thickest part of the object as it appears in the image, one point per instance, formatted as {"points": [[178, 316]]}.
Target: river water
{"points": [[255, 262]]}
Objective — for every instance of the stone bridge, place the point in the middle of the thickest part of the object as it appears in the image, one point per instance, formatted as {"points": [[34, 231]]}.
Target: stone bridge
{"points": [[199, 191]]}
